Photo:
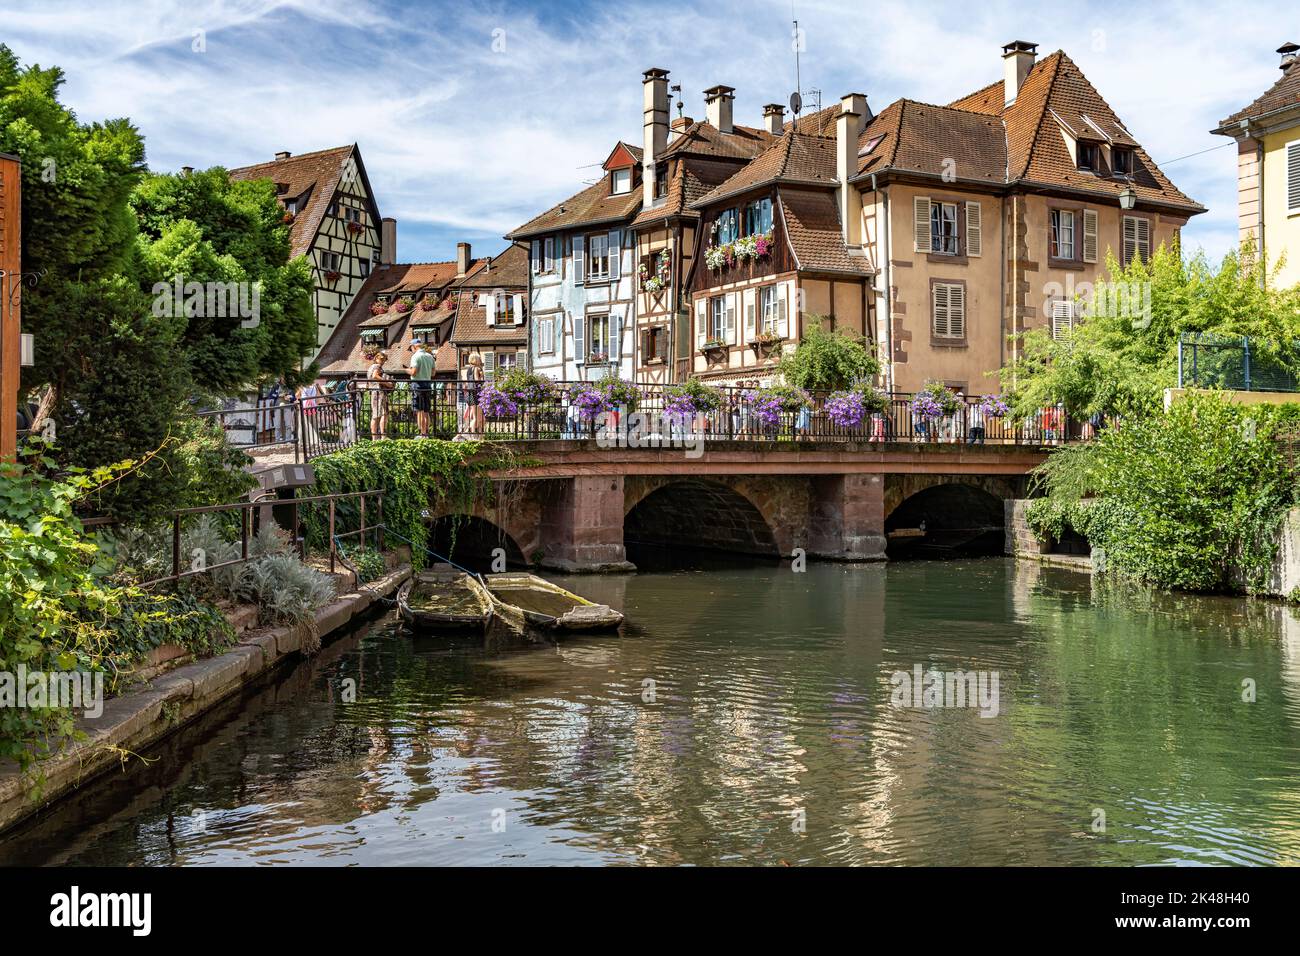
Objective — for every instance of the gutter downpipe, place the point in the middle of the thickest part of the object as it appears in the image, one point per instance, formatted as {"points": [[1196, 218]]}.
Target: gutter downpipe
{"points": [[887, 320]]}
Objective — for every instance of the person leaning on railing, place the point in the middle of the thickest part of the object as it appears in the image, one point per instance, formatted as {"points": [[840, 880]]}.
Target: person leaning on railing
{"points": [[379, 384]]}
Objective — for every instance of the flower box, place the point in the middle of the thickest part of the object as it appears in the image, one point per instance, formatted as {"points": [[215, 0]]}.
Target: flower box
{"points": [[355, 228]]}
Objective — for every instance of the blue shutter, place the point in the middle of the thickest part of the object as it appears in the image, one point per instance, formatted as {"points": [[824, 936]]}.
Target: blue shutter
{"points": [[579, 349]]}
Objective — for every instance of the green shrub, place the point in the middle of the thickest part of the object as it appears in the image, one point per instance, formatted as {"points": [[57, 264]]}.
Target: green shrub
{"points": [[828, 361]]}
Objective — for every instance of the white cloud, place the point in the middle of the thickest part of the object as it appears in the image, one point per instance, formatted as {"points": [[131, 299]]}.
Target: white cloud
{"points": [[461, 137]]}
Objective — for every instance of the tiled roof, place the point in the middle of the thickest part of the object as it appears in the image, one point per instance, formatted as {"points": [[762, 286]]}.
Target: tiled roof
{"points": [[313, 175], [818, 122], [1056, 90], [445, 359], [508, 270], [591, 206], [812, 224], [796, 158], [704, 139], [916, 137], [472, 327], [1282, 94], [690, 177]]}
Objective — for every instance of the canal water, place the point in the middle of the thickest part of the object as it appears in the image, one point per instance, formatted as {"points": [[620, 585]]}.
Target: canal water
{"points": [[748, 715]]}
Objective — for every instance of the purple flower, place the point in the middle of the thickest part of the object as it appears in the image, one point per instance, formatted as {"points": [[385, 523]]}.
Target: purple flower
{"points": [[846, 409], [496, 403]]}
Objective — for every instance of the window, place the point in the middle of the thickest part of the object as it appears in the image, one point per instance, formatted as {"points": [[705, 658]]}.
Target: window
{"points": [[758, 217], [948, 310], [1062, 317], [364, 265], [598, 336], [1088, 156], [768, 309], [334, 207], [654, 345], [661, 181], [506, 361], [598, 256], [331, 261], [1123, 161], [548, 254], [291, 206], [1061, 241], [622, 181], [505, 309], [1136, 239], [727, 227], [718, 318], [943, 228]]}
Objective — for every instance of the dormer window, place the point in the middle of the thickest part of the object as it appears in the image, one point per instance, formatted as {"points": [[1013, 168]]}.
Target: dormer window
{"points": [[1122, 160], [727, 227], [622, 181], [661, 181], [1088, 157], [291, 206], [758, 217]]}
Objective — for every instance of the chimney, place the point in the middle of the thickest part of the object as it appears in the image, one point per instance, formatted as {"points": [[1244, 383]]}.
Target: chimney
{"points": [[1288, 52], [679, 126], [774, 118], [387, 241], [654, 130], [848, 127], [187, 170], [283, 154], [462, 259], [1017, 60], [717, 107]]}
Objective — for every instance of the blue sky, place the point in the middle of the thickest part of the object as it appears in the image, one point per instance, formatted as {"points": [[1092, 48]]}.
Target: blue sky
{"points": [[474, 117]]}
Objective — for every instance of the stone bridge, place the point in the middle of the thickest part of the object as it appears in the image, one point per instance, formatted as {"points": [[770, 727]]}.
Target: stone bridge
{"points": [[579, 507]]}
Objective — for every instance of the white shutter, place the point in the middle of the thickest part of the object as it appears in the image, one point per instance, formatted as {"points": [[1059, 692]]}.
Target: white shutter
{"points": [[1293, 177], [519, 309], [1090, 235], [701, 322], [615, 338], [751, 330], [579, 345], [489, 302], [729, 333], [939, 311], [548, 254], [489, 365], [579, 251], [537, 256], [1062, 317], [974, 229], [782, 312], [921, 216], [615, 253]]}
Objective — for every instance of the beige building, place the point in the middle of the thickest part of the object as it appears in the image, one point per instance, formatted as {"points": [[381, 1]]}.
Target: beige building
{"points": [[1268, 168], [334, 221], [942, 233]]}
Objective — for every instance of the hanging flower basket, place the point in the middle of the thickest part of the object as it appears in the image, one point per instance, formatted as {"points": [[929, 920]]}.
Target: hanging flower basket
{"points": [[934, 400], [356, 228], [994, 407], [333, 275], [497, 405], [378, 308], [662, 276]]}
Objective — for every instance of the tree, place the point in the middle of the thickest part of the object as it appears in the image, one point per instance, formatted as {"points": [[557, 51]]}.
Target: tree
{"points": [[1120, 359], [827, 361]]}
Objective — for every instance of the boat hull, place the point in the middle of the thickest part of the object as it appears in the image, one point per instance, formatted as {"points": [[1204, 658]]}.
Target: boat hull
{"points": [[545, 606]]}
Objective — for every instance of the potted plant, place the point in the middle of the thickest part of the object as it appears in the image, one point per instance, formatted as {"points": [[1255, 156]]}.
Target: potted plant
{"points": [[405, 303], [993, 406], [355, 227], [766, 342], [497, 404], [333, 275], [287, 218], [378, 308]]}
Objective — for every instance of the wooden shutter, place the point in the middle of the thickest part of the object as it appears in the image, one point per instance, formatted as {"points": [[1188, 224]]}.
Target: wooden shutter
{"points": [[489, 303], [579, 345], [921, 215], [729, 333], [1128, 240], [974, 229], [579, 250], [1293, 177], [782, 313], [615, 253], [489, 365], [537, 256], [519, 309], [1062, 317], [939, 311], [1144, 239], [1090, 235], [957, 311], [701, 322], [750, 322], [615, 349]]}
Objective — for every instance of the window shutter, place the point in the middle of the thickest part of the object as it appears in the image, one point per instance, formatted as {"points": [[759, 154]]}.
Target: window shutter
{"points": [[537, 256], [489, 365], [750, 322], [519, 309], [1090, 235], [957, 311], [701, 322], [939, 311], [730, 333], [548, 253], [921, 214], [615, 337], [579, 343], [578, 252], [974, 226], [615, 253], [1062, 317], [1144, 239], [1293, 177], [782, 316], [1128, 240]]}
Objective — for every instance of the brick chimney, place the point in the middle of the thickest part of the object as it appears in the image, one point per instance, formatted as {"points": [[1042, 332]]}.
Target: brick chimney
{"points": [[717, 107], [462, 259], [848, 127], [387, 241], [283, 154], [774, 118], [654, 129], [1017, 60], [1288, 52], [679, 126]]}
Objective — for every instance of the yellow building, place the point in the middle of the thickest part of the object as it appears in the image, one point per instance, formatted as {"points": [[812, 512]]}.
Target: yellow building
{"points": [[1268, 141]]}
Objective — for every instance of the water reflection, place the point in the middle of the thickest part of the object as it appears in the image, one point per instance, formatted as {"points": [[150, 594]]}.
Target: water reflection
{"points": [[744, 716]]}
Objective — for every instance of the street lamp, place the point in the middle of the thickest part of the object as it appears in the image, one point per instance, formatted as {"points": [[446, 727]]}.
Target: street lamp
{"points": [[1128, 198]]}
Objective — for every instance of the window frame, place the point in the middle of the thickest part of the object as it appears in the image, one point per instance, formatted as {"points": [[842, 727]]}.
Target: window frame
{"points": [[766, 322], [949, 340], [717, 314], [731, 216], [936, 236], [1054, 244], [591, 275], [1130, 158], [749, 227], [1092, 150], [597, 320], [613, 181], [503, 309]]}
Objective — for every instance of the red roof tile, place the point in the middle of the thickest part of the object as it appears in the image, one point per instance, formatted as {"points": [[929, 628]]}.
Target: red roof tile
{"points": [[1283, 94], [311, 175]]}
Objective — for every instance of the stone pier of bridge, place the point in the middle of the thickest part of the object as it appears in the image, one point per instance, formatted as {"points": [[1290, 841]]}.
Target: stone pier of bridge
{"points": [[578, 507]]}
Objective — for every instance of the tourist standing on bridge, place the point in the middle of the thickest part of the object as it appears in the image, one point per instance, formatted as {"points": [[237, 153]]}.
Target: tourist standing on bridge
{"points": [[380, 385], [975, 423], [422, 386], [473, 385]]}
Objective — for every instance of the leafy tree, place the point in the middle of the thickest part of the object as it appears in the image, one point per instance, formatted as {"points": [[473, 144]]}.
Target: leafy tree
{"points": [[1120, 360], [827, 361]]}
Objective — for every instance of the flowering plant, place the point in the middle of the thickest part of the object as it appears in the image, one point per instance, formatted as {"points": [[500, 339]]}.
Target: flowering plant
{"points": [[496, 403], [287, 218], [528, 388], [993, 406], [715, 257], [333, 275], [849, 409], [618, 393], [587, 400], [427, 304], [934, 400], [767, 404], [607, 395], [405, 303], [662, 276], [378, 308], [690, 397], [355, 227]]}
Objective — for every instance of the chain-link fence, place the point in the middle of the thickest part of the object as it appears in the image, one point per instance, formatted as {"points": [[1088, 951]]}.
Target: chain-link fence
{"points": [[1206, 360]]}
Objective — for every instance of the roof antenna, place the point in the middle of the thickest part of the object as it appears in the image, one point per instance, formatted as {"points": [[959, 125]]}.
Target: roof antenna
{"points": [[796, 100]]}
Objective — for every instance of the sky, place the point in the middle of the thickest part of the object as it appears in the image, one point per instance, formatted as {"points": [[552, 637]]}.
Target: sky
{"points": [[474, 117]]}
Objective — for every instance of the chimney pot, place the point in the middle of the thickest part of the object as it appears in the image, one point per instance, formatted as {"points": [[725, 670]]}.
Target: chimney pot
{"points": [[717, 107], [187, 170], [774, 118], [1288, 51], [1018, 59], [283, 154]]}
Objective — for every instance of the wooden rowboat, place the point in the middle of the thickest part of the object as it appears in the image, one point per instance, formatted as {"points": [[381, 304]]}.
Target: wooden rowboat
{"points": [[445, 599], [546, 606]]}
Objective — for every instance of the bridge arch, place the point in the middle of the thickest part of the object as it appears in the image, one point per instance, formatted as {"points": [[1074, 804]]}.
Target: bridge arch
{"points": [[948, 518], [699, 514]]}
